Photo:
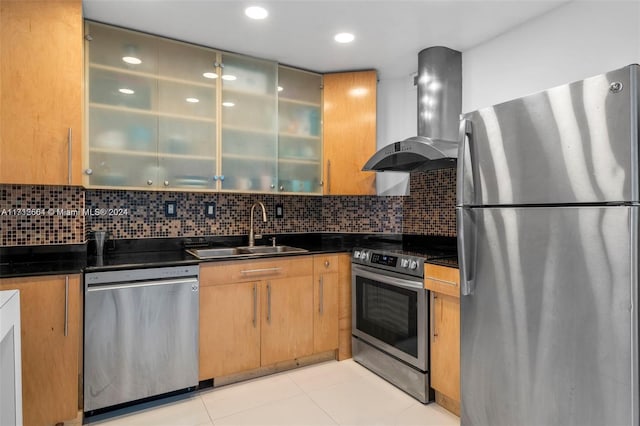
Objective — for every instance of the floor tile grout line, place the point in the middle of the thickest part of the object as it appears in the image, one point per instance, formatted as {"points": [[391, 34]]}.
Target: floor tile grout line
{"points": [[206, 410], [335, 421], [259, 405]]}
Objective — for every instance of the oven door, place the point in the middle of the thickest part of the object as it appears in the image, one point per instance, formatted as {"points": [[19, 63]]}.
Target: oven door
{"points": [[390, 312]]}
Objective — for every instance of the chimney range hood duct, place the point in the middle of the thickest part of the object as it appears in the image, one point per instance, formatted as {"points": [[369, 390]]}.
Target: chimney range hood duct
{"points": [[439, 107]]}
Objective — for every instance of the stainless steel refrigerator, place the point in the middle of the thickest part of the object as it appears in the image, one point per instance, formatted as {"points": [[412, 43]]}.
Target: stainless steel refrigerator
{"points": [[548, 206]]}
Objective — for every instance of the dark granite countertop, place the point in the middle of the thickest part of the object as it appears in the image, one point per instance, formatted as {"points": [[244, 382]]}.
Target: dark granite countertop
{"points": [[451, 262], [42, 260], [156, 252]]}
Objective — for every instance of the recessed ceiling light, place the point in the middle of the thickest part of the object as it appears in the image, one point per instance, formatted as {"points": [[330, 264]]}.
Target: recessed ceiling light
{"points": [[280, 88], [256, 12], [126, 91], [209, 74], [192, 100], [228, 104], [132, 60], [344, 37], [229, 77]]}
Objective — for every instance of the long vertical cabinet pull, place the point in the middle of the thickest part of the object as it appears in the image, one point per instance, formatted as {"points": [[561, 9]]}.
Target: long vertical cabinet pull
{"points": [[70, 154], [66, 305], [269, 302], [328, 177], [255, 304], [434, 333], [321, 309]]}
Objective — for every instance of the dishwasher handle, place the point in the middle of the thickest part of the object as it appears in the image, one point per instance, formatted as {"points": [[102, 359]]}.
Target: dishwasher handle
{"points": [[105, 287]]}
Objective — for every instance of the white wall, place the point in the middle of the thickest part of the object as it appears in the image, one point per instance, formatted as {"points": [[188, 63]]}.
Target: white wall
{"points": [[578, 40], [397, 119]]}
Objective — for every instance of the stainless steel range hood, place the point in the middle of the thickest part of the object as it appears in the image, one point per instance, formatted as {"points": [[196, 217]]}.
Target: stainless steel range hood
{"points": [[439, 107]]}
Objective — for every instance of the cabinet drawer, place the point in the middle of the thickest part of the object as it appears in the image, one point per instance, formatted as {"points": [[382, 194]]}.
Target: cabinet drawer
{"points": [[325, 263], [254, 270], [442, 279]]}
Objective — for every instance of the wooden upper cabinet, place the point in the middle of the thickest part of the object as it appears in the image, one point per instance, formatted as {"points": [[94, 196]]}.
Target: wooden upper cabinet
{"points": [[41, 92], [349, 106]]}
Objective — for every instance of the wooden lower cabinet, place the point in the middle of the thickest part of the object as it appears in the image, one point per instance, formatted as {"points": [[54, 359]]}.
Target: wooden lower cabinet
{"points": [[287, 319], [445, 335], [254, 314], [445, 345], [344, 306], [49, 308], [229, 329], [325, 305]]}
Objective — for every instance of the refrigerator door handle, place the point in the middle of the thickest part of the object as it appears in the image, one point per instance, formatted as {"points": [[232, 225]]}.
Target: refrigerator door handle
{"points": [[466, 250], [465, 180]]}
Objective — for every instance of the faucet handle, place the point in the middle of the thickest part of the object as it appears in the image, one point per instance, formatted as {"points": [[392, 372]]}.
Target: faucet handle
{"points": [[273, 241]]}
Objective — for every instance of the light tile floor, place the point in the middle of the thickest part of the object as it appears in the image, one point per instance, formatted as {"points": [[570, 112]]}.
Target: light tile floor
{"points": [[331, 393]]}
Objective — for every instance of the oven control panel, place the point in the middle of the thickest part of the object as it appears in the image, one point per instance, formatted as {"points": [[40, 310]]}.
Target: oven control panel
{"points": [[384, 259], [397, 262]]}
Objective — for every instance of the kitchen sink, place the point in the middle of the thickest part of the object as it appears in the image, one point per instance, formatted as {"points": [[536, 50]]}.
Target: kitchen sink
{"points": [[271, 249], [225, 252], [212, 253]]}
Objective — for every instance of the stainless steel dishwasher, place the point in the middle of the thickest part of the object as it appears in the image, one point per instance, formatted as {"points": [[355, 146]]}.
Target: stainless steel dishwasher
{"points": [[140, 335]]}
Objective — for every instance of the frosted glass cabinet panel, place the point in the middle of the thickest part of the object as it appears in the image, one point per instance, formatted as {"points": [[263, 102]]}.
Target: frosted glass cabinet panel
{"points": [[249, 124], [299, 131], [162, 114], [151, 111]]}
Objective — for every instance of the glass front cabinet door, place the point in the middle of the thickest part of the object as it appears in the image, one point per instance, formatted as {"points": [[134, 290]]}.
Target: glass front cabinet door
{"points": [[162, 114], [151, 108], [249, 120], [299, 131]]}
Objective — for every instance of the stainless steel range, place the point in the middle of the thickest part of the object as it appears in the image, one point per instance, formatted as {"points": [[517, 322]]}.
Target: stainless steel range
{"points": [[391, 317]]}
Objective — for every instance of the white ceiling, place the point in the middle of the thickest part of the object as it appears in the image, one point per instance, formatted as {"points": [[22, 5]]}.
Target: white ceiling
{"points": [[389, 33]]}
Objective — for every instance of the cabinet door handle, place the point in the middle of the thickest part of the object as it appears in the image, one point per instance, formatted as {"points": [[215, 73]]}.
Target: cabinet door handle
{"points": [[438, 280], [261, 271], [269, 302], [326, 263], [434, 333], [321, 309], [328, 176], [70, 155], [255, 304], [66, 306]]}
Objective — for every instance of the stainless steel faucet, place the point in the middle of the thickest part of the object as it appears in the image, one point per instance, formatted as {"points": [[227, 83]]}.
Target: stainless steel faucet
{"points": [[252, 239]]}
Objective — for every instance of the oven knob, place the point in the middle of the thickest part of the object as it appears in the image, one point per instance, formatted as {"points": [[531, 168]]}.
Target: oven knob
{"points": [[413, 264], [356, 254], [404, 263], [364, 255]]}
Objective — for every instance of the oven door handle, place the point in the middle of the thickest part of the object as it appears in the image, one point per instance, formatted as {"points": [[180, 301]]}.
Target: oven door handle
{"points": [[384, 277]]}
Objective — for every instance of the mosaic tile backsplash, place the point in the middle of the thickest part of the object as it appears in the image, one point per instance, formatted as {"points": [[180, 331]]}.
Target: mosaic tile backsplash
{"points": [[431, 207], [146, 217], [429, 210], [37, 214]]}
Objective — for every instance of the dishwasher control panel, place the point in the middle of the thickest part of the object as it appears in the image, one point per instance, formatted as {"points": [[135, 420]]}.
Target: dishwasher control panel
{"points": [[147, 274]]}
